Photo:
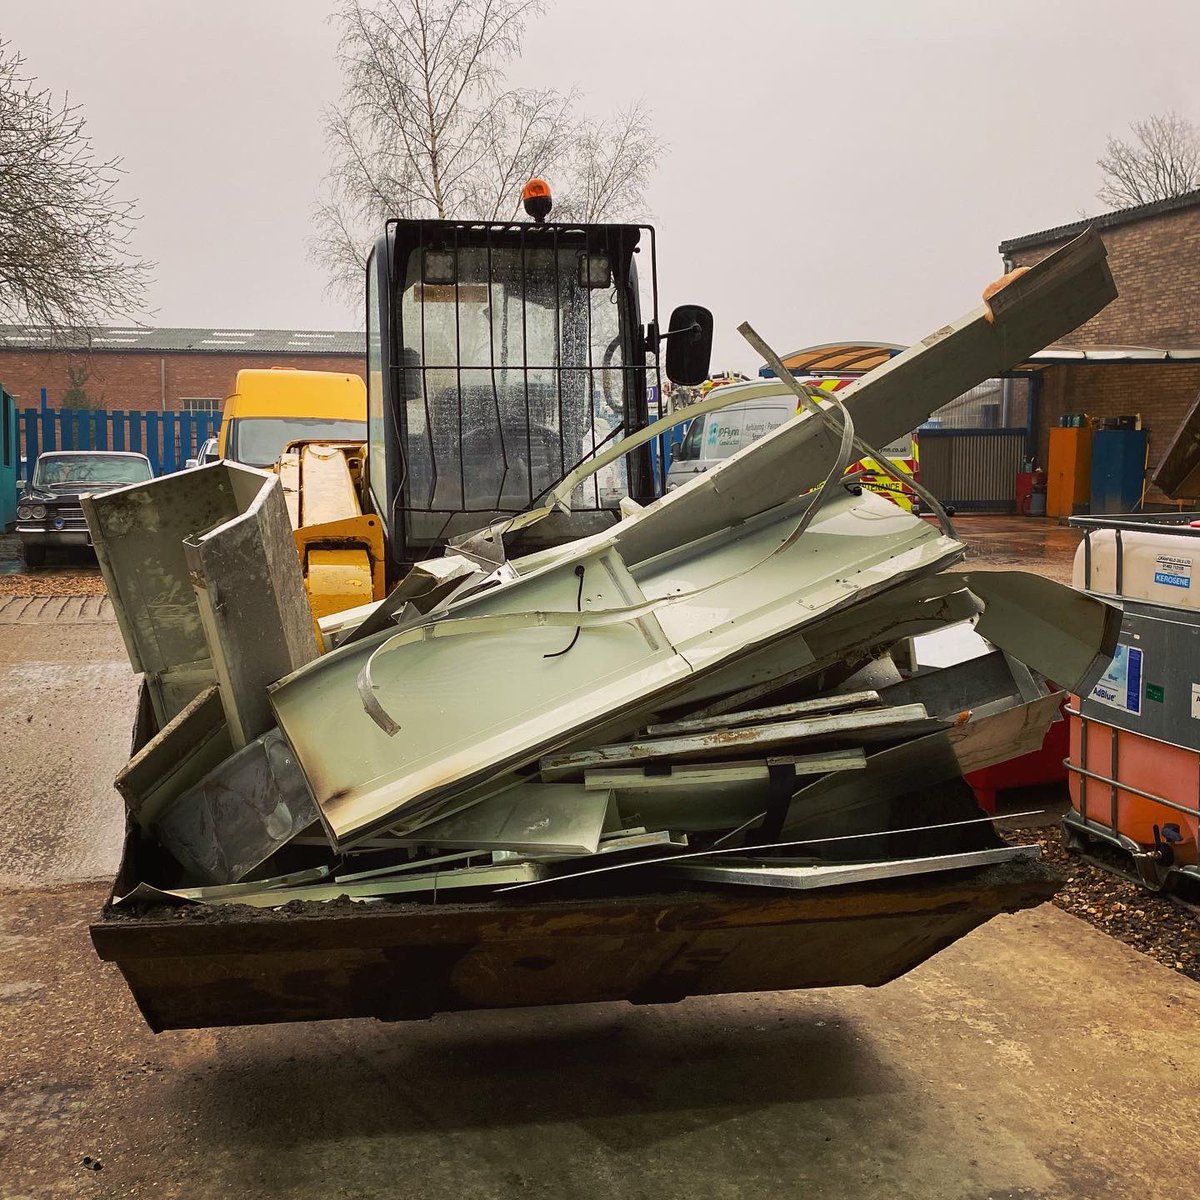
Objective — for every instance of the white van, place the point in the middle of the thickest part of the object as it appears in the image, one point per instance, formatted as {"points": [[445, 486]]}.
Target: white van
{"points": [[714, 436]]}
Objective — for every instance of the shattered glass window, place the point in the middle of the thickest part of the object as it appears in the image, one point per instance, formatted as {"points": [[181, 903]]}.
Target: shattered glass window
{"points": [[511, 376]]}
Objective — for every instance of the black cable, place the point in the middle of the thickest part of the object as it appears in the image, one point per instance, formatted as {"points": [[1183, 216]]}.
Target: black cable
{"points": [[578, 608]]}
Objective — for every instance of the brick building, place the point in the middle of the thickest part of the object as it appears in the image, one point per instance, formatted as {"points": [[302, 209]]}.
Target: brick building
{"points": [[178, 370], [1154, 254]]}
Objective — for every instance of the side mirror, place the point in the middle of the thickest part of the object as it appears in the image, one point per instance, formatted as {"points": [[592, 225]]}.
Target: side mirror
{"points": [[689, 345], [190, 463]]}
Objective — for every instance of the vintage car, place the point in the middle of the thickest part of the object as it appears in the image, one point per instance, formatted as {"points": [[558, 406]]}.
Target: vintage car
{"points": [[49, 513]]}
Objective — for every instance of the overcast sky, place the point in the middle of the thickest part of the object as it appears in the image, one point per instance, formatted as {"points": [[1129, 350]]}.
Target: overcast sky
{"points": [[839, 170]]}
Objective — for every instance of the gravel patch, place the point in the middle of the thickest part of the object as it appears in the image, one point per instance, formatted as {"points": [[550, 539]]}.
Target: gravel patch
{"points": [[1150, 922]]}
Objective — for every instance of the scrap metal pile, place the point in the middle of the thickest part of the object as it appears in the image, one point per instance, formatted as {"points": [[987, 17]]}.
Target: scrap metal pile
{"points": [[706, 695]]}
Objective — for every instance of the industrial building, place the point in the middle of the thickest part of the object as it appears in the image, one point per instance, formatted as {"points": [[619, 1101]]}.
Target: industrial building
{"points": [[139, 369]]}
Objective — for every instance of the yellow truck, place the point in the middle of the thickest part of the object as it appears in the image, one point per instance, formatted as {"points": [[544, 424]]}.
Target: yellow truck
{"points": [[270, 408], [311, 427]]}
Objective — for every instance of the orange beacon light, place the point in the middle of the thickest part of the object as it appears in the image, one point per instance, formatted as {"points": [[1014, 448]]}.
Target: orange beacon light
{"points": [[535, 196]]}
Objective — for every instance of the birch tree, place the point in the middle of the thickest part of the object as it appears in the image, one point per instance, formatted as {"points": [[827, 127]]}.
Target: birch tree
{"points": [[428, 126], [65, 231], [1162, 160]]}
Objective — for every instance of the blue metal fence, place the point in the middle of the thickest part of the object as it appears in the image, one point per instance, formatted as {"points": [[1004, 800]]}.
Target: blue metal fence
{"points": [[168, 439], [9, 460]]}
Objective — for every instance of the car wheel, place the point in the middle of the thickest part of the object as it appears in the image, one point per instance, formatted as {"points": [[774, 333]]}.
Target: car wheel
{"points": [[35, 556]]}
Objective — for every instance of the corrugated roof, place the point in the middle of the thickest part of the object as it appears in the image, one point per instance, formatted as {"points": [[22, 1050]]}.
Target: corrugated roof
{"points": [[1055, 356], [213, 340], [836, 357], [859, 357], [1122, 216]]}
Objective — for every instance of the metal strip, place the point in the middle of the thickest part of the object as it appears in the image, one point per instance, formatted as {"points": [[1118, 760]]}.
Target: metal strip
{"points": [[1117, 785], [1114, 738], [824, 413], [822, 875], [817, 841], [1083, 757], [492, 369]]}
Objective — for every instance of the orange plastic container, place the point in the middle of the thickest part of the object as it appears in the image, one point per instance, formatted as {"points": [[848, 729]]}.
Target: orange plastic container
{"points": [[1151, 772]]}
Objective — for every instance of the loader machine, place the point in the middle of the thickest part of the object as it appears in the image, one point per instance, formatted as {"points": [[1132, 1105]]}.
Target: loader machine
{"points": [[500, 355]]}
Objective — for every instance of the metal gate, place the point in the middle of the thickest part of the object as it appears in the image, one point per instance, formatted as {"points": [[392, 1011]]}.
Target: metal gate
{"points": [[168, 439], [974, 470], [973, 448]]}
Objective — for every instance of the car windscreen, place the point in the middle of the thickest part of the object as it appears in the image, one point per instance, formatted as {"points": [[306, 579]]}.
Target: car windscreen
{"points": [[259, 441], [56, 471]]}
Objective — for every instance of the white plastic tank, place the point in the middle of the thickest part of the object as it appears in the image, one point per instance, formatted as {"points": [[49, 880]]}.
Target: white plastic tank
{"points": [[1161, 568]]}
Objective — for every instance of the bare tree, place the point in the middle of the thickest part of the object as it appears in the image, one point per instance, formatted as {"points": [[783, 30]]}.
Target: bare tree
{"points": [[428, 126], [65, 260], [1161, 161], [610, 166]]}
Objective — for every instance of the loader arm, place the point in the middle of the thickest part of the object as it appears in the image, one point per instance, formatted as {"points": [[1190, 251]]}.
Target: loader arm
{"points": [[340, 543]]}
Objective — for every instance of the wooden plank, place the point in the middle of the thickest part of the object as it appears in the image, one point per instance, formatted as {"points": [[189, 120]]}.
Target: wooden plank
{"points": [[727, 742], [778, 712], [699, 774]]}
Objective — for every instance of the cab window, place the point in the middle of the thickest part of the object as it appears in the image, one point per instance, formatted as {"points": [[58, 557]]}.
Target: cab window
{"points": [[690, 447]]}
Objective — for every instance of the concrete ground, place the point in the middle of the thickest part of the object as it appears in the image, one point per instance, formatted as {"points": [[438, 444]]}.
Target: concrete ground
{"points": [[1036, 1059]]}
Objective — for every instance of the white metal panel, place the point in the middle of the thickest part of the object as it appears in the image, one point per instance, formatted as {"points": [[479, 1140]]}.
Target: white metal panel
{"points": [[470, 705]]}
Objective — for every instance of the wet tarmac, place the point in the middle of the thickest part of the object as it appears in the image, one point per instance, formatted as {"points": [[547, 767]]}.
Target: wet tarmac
{"points": [[1038, 544], [67, 695]]}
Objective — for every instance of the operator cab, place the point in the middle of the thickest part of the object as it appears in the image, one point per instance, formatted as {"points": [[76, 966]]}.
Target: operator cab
{"points": [[501, 355]]}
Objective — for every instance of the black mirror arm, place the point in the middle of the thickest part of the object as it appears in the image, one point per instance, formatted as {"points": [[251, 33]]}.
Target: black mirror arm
{"points": [[654, 338]]}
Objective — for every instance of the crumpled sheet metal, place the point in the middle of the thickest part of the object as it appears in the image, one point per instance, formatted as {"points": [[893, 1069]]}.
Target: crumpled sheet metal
{"points": [[453, 710], [471, 707], [531, 817], [139, 533], [1178, 470], [825, 875], [194, 742], [239, 814], [164, 546], [830, 805], [1067, 636], [254, 610]]}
